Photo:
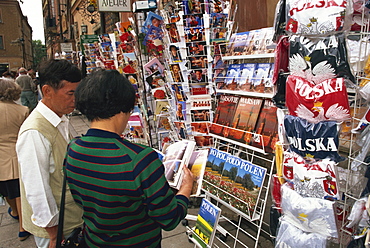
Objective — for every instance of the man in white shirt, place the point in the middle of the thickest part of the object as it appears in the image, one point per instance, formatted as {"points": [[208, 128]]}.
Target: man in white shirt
{"points": [[41, 147]]}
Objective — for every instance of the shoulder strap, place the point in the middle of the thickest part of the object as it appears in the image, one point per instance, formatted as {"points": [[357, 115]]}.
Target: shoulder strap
{"points": [[61, 212], [62, 202]]}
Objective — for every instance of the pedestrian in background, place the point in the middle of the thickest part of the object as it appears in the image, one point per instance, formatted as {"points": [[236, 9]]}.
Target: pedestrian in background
{"points": [[121, 186], [12, 117], [28, 97], [41, 148]]}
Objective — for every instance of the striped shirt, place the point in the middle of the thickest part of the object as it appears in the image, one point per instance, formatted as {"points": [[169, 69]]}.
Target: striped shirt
{"points": [[123, 191]]}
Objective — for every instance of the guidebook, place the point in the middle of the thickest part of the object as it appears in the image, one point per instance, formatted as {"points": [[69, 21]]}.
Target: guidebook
{"points": [[175, 157], [235, 181], [206, 224]]}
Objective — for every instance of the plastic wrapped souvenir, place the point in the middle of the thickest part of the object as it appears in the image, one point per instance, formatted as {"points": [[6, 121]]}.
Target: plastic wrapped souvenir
{"points": [[319, 101], [312, 141], [316, 17], [309, 214], [318, 58], [301, 239]]}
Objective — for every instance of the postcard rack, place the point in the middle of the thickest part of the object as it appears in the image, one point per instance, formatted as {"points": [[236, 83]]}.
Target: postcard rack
{"points": [[237, 228]]}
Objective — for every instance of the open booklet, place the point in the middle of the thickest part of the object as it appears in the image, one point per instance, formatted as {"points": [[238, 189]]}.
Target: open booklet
{"points": [[175, 156]]}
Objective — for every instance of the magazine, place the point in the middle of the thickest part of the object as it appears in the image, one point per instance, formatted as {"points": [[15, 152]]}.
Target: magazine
{"points": [[175, 157], [206, 224]]}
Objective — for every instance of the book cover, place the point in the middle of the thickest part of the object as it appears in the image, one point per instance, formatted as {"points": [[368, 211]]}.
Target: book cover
{"points": [[239, 43], [224, 114], [197, 165], [269, 85], [244, 119], [232, 76], [266, 127], [261, 75], [175, 157], [212, 175], [206, 223], [246, 75], [243, 180]]}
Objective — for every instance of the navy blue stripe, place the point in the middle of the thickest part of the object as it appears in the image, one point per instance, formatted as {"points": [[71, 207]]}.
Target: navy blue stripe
{"points": [[106, 176]]}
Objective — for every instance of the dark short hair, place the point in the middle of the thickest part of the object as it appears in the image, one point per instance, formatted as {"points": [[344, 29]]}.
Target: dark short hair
{"points": [[9, 90], [103, 94], [52, 72]]}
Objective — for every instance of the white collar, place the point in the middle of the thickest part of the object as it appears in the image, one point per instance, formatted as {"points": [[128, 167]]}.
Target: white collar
{"points": [[50, 115]]}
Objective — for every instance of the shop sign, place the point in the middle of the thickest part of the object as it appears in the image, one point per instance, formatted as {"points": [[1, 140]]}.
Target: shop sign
{"points": [[66, 47], [114, 5]]}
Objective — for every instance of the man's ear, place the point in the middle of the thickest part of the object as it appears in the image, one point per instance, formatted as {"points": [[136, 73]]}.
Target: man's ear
{"points": [[46, 90]]}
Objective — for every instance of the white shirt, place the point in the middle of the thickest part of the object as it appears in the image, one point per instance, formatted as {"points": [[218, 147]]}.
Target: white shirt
{"points": [[36, 163]]}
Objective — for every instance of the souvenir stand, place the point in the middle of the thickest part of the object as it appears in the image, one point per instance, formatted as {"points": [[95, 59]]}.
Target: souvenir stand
{"points": [[293, 96], [321, 154]]}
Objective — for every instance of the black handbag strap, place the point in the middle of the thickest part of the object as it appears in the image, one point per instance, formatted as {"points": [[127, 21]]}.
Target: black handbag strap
{"points": [[62, 203], [61, 212]]}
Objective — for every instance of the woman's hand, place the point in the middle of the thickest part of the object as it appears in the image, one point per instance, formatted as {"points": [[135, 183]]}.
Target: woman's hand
{"points": [[187, 182]]}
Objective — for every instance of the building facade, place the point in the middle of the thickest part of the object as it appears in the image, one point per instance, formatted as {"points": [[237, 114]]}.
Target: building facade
{"points": [[15, 37]]}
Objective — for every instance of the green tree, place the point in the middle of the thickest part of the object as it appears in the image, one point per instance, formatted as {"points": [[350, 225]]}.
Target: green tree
{"points": [[39, 53]]}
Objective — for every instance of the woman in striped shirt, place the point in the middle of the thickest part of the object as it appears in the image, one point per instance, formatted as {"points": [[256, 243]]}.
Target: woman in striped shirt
{"points": [[120, 185]]}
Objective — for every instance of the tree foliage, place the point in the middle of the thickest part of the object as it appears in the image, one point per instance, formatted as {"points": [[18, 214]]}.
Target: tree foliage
{"points": [[39, 53]]}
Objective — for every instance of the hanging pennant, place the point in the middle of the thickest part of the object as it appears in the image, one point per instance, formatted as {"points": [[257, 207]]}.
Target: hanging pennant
{"points": [[327, 100], [312, 141]]}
